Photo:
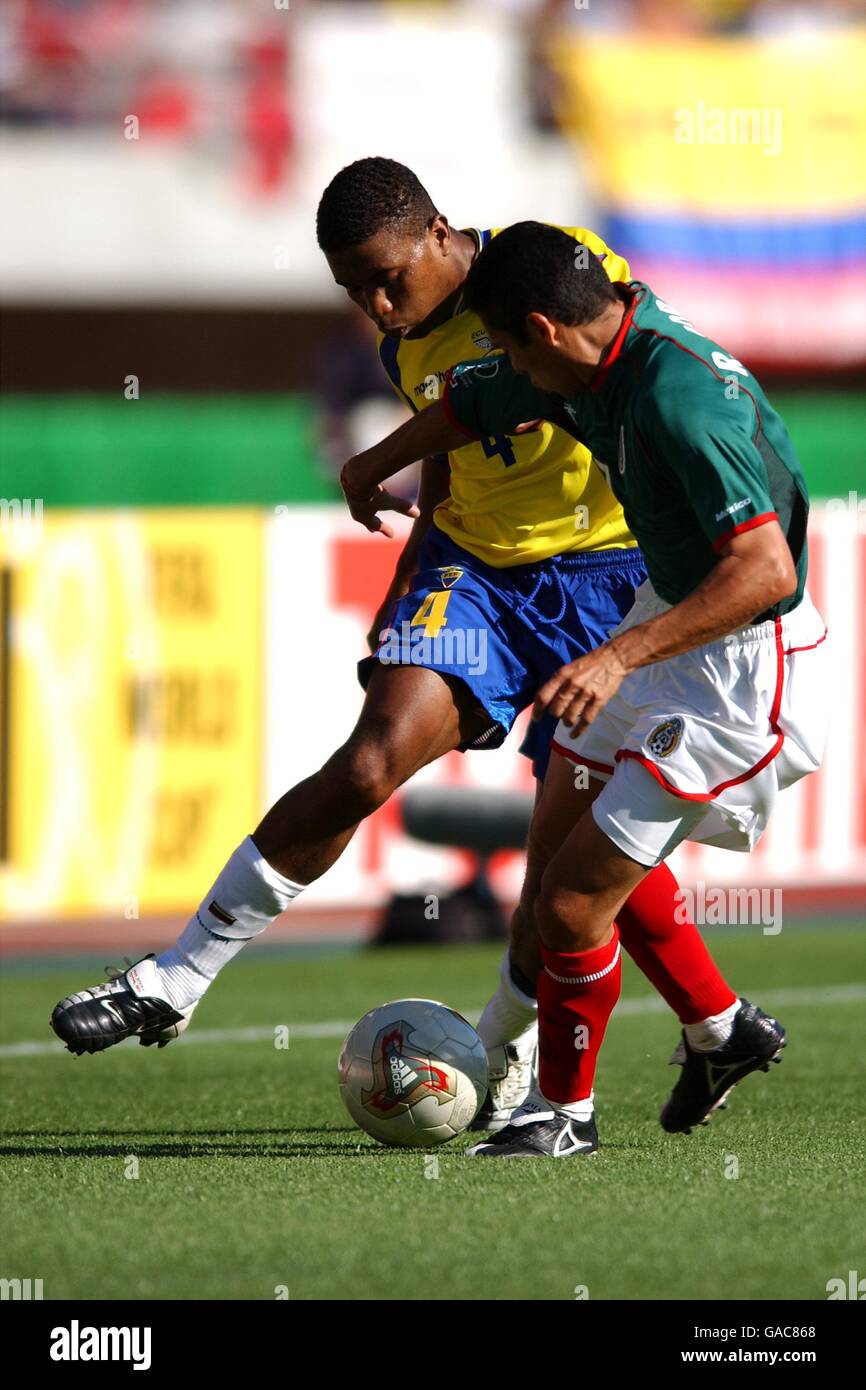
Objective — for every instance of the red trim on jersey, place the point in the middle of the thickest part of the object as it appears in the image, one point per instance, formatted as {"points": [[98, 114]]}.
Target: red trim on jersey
{"points": [[616, 346], [744, 776], [449, 412], [583, 762], [745, 526]]}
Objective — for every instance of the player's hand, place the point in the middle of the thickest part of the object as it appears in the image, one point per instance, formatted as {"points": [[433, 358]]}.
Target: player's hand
{"points": [[578, 691], [365, 504]]}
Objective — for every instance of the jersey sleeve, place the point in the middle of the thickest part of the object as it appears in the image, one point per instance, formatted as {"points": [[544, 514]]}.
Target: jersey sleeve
{"points": [[489, 397], [708, 440], [617, 268]]}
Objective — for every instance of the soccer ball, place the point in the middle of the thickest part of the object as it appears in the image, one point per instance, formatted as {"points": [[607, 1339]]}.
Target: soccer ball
{"points": [[413, 1073]]}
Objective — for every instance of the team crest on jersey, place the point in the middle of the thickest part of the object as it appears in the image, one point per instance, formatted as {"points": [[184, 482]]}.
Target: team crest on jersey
{"points": [[450, 575], [482, 340], [666, 737]]}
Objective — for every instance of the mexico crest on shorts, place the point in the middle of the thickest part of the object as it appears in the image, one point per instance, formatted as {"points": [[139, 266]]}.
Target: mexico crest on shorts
{"points": [[666, 736], [450, 574]]}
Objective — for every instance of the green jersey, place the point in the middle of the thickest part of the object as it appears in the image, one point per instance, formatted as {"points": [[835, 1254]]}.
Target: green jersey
{"points": [[685, 436]]}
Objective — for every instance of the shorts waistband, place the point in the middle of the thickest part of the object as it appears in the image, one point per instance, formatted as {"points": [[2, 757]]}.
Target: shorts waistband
{"points": [[760, 632], [649, 605], [618, 557], [631, 556]]}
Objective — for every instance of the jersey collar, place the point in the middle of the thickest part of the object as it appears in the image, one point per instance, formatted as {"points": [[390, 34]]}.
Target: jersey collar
{"points": [[481, 239], [618, 343]]}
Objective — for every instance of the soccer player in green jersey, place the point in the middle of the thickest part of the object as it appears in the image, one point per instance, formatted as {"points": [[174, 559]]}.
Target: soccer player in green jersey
{"points": [[705, 702]]}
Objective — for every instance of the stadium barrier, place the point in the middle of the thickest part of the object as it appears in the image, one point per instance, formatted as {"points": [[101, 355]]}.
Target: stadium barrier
{"points": [[169, 672]]}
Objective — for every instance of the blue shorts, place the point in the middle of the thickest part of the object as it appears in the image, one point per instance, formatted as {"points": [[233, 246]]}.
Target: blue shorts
{"points": [[505, 631]]}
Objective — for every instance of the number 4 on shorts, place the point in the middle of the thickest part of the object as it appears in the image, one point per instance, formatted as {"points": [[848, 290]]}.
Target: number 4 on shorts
{"points": [[432, 612]]}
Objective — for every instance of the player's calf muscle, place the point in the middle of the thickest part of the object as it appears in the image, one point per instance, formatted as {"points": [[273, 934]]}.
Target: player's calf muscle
{"points": [[410, 718], [306, 831], [558, 808]]}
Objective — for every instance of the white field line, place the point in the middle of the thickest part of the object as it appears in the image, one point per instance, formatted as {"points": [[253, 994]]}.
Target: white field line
{"points": [[629, 1008]]}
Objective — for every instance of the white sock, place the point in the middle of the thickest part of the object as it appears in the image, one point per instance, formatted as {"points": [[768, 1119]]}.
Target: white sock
{"points": [[536, 1105], [712, 1032], [245, 898], [510, 1013], [576, 1109]]}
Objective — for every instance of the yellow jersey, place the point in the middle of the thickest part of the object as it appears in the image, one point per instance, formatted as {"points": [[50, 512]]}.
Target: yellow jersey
{"points": [[515, 499]]}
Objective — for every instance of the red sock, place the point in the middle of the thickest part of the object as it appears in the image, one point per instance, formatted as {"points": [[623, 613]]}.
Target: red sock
{"points": [[670, 951], [576, 990]]}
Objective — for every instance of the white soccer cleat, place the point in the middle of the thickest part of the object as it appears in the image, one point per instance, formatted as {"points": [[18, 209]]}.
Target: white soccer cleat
{"points": [[513, 1074]]}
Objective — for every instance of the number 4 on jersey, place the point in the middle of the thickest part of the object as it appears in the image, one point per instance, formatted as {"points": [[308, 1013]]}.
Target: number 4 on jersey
{"points": [[499, 444]]}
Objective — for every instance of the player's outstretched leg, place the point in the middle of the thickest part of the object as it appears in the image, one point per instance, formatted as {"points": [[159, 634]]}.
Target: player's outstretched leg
{"points": [[714, 1060], [411, 716]]}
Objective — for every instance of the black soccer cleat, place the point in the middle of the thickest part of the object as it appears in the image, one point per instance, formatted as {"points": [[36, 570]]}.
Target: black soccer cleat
{"points": [[124, 1007], [707, 1078], [540, 1134]]}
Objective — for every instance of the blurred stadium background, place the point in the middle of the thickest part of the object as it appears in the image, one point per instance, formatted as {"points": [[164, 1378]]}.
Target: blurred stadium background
{"points": [[183, 595]]}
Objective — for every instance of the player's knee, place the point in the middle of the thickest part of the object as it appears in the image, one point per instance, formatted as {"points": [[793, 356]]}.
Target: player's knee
{"points": [[564, 919], [370, 773]]}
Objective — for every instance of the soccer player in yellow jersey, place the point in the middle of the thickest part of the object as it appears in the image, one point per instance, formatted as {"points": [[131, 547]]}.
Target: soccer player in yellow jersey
{"points": [[519, 562]]}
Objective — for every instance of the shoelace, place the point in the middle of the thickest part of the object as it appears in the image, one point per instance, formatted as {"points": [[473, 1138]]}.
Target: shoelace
{"points": [[114, 972]]}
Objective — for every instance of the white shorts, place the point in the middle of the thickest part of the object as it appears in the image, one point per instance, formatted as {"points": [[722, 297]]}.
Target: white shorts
{"points": [[698, 747]]}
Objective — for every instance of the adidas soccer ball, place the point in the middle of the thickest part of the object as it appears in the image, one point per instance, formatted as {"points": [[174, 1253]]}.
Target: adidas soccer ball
{"points": [[413, 1073]]}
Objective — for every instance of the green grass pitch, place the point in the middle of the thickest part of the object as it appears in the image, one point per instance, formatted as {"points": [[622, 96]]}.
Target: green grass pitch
{"points": [[252, 1179]]}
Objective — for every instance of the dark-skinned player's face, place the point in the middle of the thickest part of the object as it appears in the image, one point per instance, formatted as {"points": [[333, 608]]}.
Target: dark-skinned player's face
{"points": [[396, 278]]}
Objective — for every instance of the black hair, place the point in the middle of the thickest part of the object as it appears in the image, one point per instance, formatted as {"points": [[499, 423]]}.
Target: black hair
{"points": [[532, 268], [368, 196]]}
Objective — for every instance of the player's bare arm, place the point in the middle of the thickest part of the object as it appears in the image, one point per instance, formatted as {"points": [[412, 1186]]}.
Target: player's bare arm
{"points": [[755, 572], [430, 432]]}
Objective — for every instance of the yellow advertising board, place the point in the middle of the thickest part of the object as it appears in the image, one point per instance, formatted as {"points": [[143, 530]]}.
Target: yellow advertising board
{"points": [[758, 126], [133, 655]]}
